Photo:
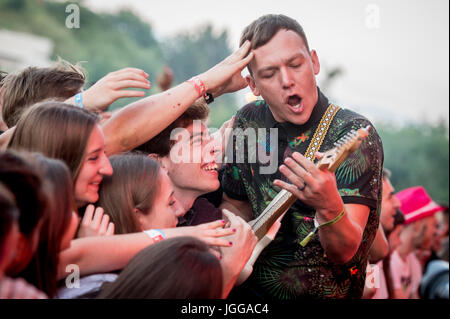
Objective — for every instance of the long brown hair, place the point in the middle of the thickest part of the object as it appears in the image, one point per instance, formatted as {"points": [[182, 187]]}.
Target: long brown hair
{"points": [[176, 268], [134, 184], [42, 270], [57, 130]]}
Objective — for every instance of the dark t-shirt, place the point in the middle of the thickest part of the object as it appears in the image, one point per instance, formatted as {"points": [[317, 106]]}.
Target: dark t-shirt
{"points": [[285, 269], [202, 211]]}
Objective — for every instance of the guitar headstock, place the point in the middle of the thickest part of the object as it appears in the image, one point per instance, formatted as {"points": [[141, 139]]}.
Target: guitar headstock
{"points": [[346, 145]]}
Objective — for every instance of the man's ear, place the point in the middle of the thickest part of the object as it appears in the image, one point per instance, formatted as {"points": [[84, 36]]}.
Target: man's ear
{"points": [[315, 62], [164, 162], [252, 85]]}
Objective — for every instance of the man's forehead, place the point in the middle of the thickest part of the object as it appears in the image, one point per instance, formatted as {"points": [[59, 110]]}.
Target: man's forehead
{"points": [[270, 52]]}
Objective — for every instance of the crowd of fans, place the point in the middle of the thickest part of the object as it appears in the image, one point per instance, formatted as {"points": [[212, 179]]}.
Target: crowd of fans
{"points": [[81, 187]]}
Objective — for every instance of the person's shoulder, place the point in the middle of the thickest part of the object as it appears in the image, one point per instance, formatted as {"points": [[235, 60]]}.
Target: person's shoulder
{"points": [[253, 110], [347, 120], [350, 118]]}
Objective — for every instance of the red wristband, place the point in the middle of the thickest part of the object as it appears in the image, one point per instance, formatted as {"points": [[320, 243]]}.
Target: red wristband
{"points": [[199, 85]]}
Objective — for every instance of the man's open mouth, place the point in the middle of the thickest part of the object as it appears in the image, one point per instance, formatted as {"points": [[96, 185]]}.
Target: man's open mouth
{"points": [[294, 101]]}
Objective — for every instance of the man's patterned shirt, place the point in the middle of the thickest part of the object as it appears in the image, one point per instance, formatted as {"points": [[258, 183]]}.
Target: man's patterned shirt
{"points": [[285, 269]]}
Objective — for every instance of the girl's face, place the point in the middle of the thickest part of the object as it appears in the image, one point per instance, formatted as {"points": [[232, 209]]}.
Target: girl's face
{"points": [[165, 209], [95, 166]]}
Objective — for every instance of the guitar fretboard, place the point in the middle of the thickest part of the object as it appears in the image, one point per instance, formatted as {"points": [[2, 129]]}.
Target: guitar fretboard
{"points": [[279, 205]]}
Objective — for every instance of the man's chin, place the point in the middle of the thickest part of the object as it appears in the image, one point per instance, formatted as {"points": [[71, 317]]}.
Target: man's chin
{"points": [[211, 187]]}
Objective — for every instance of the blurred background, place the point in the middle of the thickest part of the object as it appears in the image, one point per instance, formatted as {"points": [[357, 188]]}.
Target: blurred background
{"points": [[388, 60]]}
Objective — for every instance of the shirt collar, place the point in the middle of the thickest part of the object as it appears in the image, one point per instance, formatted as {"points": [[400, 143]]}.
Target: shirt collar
{"points": [[293, 129]]}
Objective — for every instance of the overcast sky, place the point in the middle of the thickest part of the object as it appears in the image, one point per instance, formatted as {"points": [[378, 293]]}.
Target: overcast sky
{"points": [[395, 54]]}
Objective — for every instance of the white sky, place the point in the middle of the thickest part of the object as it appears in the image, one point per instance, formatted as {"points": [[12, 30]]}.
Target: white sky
{"points": [[397, 71]]}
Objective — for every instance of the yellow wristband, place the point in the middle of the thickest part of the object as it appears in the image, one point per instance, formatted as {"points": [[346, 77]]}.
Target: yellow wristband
{"points": [[317, 227]]}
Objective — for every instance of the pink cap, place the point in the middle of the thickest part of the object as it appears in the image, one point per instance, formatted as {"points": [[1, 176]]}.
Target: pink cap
{"points": [[417, 204]]}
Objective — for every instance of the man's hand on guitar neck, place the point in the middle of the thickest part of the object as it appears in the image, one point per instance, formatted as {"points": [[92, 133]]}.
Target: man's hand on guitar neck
{"points": [[317, 188], [314, 187]]}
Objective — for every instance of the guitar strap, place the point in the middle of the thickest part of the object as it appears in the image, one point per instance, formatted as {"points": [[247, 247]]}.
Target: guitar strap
{"points": [[321, 132]]}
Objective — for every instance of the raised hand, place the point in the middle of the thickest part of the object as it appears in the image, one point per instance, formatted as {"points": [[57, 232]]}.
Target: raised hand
{"points": [[113, 87], [95, 223], [226, 76], [235, 258], [266, 240], [211, 233]]}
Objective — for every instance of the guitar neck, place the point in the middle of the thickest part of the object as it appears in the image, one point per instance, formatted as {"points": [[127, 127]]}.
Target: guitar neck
{"points": [[277, 207]]}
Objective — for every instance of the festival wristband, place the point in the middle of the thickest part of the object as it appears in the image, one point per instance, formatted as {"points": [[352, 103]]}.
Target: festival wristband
{"points": [[79, 100], [155, 234], [199, 85], [305, 241]]}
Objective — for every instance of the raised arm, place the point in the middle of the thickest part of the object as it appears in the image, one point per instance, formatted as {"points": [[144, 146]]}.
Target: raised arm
{"points": [[113, 87], [140, 121]]}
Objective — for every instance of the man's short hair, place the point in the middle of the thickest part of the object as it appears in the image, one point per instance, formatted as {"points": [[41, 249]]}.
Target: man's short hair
{"points": [[263, 29], [161, 143], [3, 74], [33, 85]]}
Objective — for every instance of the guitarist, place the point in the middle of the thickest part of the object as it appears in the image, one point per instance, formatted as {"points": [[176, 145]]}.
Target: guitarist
{"points": [[332, 264]]}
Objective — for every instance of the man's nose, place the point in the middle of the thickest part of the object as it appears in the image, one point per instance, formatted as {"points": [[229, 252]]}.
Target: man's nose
{"points": [[287, 80]]}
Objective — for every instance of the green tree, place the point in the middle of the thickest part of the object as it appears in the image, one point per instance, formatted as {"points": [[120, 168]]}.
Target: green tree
{"points": [[104, 42], [191, 53], [418, 154]]}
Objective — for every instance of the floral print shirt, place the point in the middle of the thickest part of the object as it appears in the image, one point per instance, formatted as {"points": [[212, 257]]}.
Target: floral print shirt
{"points": [[285, 269]]}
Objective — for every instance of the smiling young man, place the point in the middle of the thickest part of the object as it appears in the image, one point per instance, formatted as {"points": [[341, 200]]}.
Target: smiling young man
{"points": [[186, 151], [333, 263]]}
